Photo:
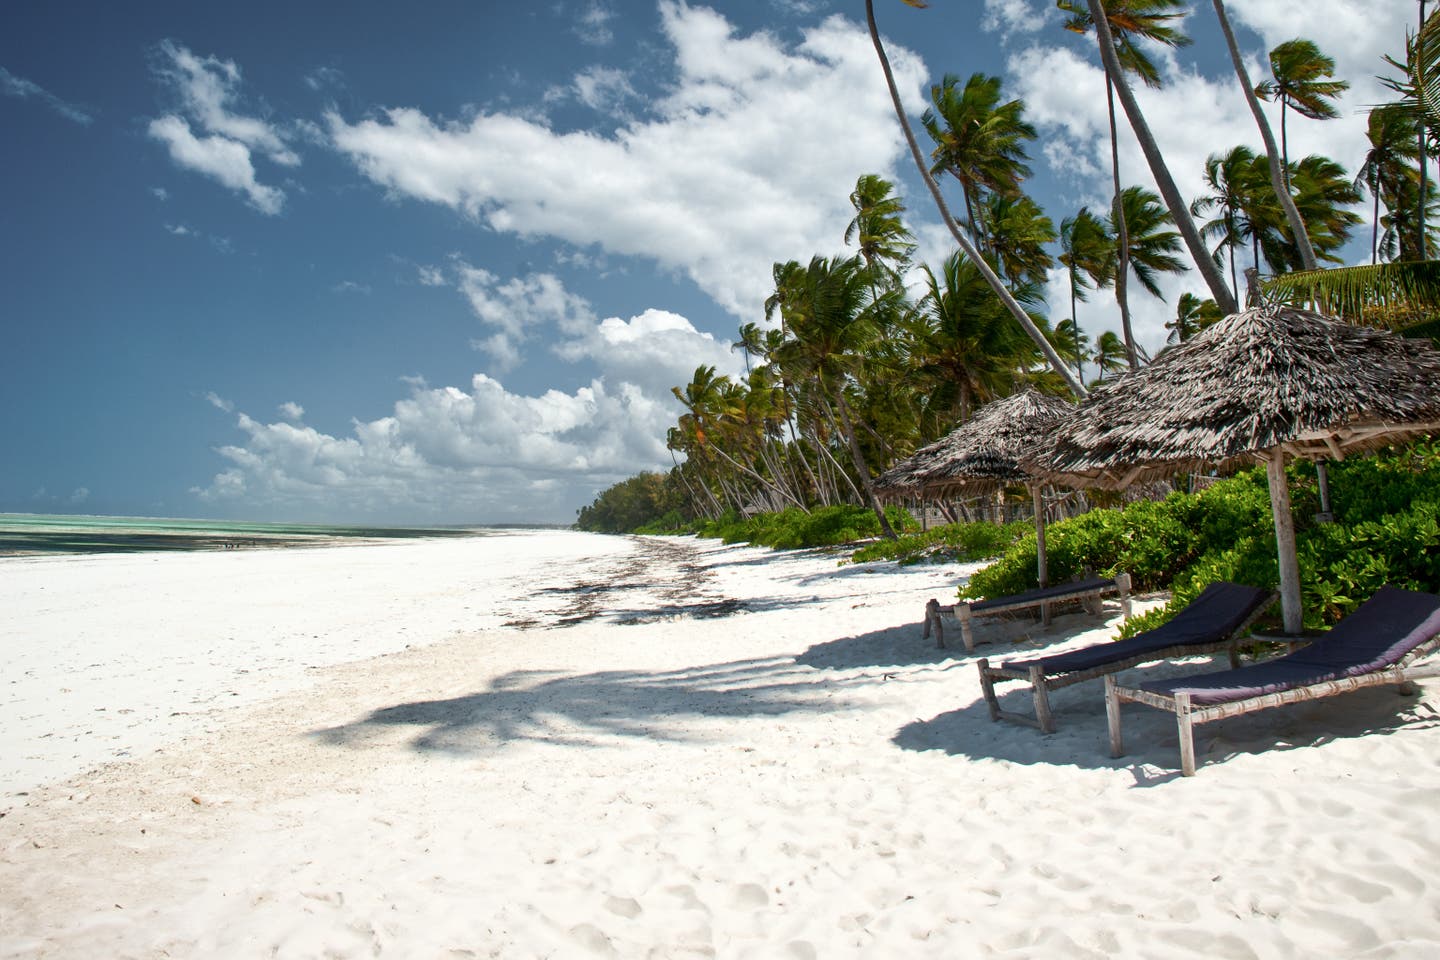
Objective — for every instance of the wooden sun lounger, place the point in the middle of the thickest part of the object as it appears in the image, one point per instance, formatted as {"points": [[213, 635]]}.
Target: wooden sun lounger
{"points": [[1088, 592], [1377, 644], [1215, 620]]}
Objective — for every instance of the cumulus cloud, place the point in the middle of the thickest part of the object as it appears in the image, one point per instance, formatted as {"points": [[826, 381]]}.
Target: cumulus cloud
{"points": [[483, 451], [227, 141], [22, 89], [512, 308], [715, 183]]}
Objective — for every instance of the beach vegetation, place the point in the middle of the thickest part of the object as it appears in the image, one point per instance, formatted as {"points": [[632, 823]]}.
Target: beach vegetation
{"points": [[1385, 530], [947, 543]]}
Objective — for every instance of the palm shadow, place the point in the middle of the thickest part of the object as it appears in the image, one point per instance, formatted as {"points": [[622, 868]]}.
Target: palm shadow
{"points": [[596, 708]]}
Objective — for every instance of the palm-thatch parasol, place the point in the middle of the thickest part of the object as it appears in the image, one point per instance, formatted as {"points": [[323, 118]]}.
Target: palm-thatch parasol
{"points": [[984, 454], [1260, 385]]}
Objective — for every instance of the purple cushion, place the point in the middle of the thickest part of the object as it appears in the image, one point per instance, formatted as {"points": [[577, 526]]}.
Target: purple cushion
{"points": [[1210, 618], [1377, 635]]}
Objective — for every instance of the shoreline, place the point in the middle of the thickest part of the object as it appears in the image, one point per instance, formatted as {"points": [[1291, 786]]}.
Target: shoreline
{"points": [[726, 752]]}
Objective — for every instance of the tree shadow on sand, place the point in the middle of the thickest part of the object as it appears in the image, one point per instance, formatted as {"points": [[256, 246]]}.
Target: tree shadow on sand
{"points": [[1152, 755], [589, 709]]}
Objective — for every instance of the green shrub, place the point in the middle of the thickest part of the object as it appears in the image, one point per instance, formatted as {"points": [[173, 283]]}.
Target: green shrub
{"points": [[795, 529], [944, 544]]}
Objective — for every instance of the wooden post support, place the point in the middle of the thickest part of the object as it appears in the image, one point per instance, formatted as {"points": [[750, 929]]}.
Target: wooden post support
{"points": [[1042, 699], [1112, 715], [932, 615], [963, 614], [1292, 613], [1187, 733], [1042, 563], [987, 685]]}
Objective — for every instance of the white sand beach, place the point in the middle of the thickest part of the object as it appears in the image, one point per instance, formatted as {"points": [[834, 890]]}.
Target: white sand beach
{"points": [[552, 744]]}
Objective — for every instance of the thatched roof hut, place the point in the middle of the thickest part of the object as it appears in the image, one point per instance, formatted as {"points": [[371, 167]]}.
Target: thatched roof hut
{"points": [[981, 454], [1272, 378], [1261, 385]]}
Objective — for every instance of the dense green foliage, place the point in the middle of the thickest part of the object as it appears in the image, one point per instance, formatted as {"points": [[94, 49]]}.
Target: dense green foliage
{"points": [[1386, 531], [949, 543], [648, 499], [792, 529]]}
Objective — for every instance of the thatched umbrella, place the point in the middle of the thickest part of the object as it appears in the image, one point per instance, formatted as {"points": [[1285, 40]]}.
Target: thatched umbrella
{"points": [[1260, 385], [984, 454]]}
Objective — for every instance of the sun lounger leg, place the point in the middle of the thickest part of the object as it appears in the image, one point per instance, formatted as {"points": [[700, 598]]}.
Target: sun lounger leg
{"points": [[1042, 699], [932, 612], [1112, 714], [1122, 584], [962, 611], [987, 686], [1187, 733]]}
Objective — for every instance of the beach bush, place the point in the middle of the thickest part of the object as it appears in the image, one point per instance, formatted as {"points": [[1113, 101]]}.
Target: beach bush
{"points": [[949, 543], [643, 500], [795, 529], [1386, 530]]}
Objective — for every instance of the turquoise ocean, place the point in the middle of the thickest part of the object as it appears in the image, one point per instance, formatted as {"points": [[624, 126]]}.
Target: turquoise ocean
{"points": [[29, 534]]}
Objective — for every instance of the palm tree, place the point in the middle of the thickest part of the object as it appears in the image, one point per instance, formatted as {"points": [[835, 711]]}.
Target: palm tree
{"points": [[1230, 177], [1109, 354], [1011, 304], [832, 326], [1152, 247], [1171, 194], [962, 346], [1277, 170], [1388, 166], [1018, 232], [979, 140], [1192, 315], [1129, 21], [1071, 342], [1300, 81], [1324, 194], [877, 228], [1088, 253]]}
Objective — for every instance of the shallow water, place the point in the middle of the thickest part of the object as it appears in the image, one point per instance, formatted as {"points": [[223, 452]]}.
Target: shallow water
{"points": [[59, 534]]}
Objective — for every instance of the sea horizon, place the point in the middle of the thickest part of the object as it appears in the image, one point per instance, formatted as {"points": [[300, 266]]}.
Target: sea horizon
{"points": [[46, 534]]}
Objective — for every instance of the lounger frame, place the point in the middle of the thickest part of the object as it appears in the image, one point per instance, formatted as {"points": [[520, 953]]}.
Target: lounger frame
{"points": [[1187, 715], [1087, 592], [1041, 683]]}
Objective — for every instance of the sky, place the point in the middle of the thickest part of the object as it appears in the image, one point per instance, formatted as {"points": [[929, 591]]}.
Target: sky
{"points": [[442, 262]]}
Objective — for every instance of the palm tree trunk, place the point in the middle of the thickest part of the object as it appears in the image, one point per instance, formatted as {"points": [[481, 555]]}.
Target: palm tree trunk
{"points": [[1278, 179], [861, 467], [1122, 235], [1001, 291], [1420, 127], [1171, 194]]}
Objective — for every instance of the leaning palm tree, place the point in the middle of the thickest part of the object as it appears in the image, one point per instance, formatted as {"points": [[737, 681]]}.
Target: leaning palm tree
{"points": [[1011, 304], [1130, 22], [1109, 354], [1277, 170], [1300, 81], [1209, 270]]}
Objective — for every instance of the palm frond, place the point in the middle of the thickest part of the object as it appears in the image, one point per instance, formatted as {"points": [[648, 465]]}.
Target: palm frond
{"points": [[1394, 296]]}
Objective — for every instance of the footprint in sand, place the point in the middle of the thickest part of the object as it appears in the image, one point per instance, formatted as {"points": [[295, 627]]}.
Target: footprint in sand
{"points": [[749, 896], [627, 907]]}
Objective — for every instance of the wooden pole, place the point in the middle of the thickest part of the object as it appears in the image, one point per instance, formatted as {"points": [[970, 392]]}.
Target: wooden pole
{"points": [[1291, 611]]}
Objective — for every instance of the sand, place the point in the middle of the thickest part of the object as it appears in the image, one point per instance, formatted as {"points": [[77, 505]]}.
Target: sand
{"points": [[549, 744]]}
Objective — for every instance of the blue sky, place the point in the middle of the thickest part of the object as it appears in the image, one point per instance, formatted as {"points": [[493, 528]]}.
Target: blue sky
{"points": [[441, 262]]}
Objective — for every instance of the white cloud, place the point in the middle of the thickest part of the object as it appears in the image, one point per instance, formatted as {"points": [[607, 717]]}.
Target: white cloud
{"points": [[482, 451], [218, 157], [604, 89], [592, 25], [1011, 17], [22, 89], [431, 276], [512, 308], [224, 149], [291, 410], [80, 495], [351, 286], [219, 402], [715, 184]]}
